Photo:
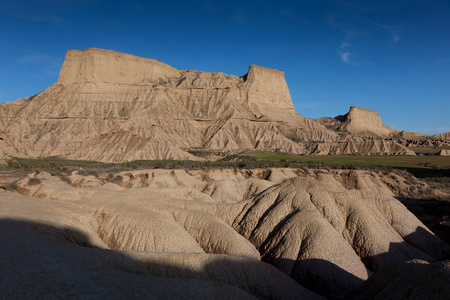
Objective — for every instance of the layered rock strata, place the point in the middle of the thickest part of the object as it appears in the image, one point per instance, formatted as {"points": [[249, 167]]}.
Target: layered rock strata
{"points": [[113, 107]]}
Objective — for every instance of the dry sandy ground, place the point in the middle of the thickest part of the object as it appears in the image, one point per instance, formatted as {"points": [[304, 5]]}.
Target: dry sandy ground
{"points": [[216, 234]]}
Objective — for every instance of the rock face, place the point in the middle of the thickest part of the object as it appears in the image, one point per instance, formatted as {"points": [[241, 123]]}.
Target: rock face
{"points": [[112, 107], [203, 234], [366, 121], [443, 136], [444, 152]]}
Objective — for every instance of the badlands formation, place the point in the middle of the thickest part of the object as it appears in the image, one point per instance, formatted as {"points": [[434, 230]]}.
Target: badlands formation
{"points": [[114, 107], [216, 234], [204, 234]]}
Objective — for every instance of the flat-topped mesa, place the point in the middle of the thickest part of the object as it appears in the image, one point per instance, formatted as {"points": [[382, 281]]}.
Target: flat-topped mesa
{"points": [[364, 120], [268, 92], [107, 66]]}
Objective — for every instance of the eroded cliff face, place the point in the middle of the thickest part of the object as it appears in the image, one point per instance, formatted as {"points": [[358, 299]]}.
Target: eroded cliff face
{"points": [[105, 66], [112, 107], [363, 120]]}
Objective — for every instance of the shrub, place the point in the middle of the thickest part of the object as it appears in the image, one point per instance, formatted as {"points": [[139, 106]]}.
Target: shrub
{"points": [[93, 173], [65, 179], [109, 177], [33, 181], [306, 169], [83, 172], [117, 179], [12, 187]]}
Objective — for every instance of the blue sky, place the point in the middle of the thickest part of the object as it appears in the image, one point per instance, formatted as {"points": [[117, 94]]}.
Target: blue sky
{"points": [[389, 56]]}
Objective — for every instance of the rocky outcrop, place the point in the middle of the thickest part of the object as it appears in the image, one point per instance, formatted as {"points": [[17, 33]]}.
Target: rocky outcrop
{"points": [[360, 146], [203, 232], [329, 239], [415, 139], [444, 152], [443, 136], [113, 107], [362, 121]]}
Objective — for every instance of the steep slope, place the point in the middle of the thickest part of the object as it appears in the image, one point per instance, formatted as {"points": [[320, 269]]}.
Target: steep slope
{"points": [[363, 120], [109, 106]]}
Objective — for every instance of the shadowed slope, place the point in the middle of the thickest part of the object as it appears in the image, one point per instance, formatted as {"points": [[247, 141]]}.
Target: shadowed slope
{"points": [[317, 228]]}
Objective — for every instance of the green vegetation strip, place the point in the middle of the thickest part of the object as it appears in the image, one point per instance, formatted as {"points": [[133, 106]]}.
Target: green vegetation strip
{"points": [[55, 163], [427, 150], [420, 166]]}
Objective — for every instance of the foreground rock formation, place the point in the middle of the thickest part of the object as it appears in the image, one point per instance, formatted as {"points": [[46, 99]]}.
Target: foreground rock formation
{"points": [[222, 234], [113, 107], [416, 279]]}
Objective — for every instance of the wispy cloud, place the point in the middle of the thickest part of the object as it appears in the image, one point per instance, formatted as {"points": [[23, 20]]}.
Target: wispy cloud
{"points": [[363, 38], [395, 37], [346, 49], [344, 45], [395, 31], [345, 57]]}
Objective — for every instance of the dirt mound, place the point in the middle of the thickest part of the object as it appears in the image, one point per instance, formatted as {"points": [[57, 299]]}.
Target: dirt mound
{"points": [[444, 152], [325, 231]]}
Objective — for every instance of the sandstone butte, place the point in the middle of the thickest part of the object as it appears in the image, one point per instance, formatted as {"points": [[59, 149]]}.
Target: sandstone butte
{"points": [[113, 107], [217, 234]]}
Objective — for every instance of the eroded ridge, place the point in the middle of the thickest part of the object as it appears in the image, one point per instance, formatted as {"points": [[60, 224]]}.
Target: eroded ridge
{"points": [[113, 107], [264, 233]]}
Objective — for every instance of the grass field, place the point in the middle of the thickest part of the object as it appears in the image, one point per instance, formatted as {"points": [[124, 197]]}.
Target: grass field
{"points": [[420, 166], [427, 150]]}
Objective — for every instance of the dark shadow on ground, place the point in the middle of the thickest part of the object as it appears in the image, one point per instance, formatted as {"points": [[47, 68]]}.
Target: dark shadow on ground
{"points": [[433, 213], [330, 281], [41, 261], [408, 279]]}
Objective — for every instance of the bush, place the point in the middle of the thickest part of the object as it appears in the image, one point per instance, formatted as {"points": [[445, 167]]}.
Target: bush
{"points": [[93, 173], [306, 169], [65, 179], [34, 181], [117, 179], [109, 177], [12, 187]]}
